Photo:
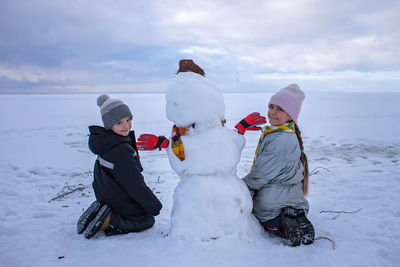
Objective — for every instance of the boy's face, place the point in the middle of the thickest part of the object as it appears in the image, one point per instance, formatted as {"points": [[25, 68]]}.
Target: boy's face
{"points": [[123, 126], [277, 116]]}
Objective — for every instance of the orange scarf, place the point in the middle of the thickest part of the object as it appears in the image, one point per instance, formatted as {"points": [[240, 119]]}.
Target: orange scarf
{"points": [[176, 141]]}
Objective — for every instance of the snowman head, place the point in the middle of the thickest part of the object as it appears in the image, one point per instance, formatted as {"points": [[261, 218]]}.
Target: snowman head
{"points": [[192, 98]]}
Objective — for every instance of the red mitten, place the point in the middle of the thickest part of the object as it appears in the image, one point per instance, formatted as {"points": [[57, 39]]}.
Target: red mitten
{"points": [[250, 123], [151, 141]]}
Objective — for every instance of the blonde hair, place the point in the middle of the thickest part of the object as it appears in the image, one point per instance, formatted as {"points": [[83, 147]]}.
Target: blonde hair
{"points": [[304, 161]]}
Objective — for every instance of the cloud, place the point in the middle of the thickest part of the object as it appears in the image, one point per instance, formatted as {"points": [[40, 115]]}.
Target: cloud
{"points": [[83, 44], [291, 35], [341, 75], [202, 50]]}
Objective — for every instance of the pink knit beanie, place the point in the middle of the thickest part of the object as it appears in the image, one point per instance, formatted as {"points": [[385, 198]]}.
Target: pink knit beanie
{"points": [[289, 99]]}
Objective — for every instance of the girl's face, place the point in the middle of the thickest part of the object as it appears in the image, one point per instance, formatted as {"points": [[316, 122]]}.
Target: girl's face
{"points": [[123, 126], [277, 116]]}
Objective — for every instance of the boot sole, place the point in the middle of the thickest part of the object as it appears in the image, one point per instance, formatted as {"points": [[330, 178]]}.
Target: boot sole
{"points": [[290, 227], [87, 217], [95, 225], [292, 231], [307, 231]]}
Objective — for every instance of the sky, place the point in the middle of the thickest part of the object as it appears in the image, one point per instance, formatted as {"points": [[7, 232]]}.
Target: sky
{"points": [[58, 46]]}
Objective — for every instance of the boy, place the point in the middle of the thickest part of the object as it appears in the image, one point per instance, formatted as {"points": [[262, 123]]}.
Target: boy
{"points": [[124, 202]]}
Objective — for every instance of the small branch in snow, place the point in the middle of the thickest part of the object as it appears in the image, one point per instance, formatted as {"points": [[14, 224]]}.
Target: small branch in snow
{"points": [[69, 189], [69, 192], [339, 212], [324, 237], [315, 170], [158, 180]]}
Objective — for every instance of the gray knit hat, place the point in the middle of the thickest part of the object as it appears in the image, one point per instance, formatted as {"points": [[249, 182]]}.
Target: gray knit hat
{"points": [[112, 110]]}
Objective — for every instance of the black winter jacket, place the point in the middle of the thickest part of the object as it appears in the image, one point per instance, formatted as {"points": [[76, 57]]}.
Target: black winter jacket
{"points": [[118, 181]]}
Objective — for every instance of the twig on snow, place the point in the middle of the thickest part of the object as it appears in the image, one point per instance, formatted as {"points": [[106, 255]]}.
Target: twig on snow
{"points": [[81, 188], [324, 237], [315, 170], [339, 212], [158, 180], [69, 189]]}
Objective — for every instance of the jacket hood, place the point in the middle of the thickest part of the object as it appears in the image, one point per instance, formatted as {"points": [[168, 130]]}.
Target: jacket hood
{"points": [[101, 139]]}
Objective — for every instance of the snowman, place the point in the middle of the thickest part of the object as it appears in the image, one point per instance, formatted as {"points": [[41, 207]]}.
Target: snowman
{"points": [[210, 201]]}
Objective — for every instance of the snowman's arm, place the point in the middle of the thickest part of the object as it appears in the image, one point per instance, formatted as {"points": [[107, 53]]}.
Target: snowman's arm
{"points": [[250, 123], [151, 142]]}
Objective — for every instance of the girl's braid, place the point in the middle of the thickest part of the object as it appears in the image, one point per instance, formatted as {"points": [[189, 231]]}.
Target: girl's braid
{"points": [[304, 160]]}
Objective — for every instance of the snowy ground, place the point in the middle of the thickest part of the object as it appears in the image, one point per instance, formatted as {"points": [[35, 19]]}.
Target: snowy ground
{"points": [[351, 140]]}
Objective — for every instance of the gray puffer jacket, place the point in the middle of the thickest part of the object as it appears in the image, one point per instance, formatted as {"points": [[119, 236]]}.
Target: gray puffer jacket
{"points": [[275, 178]]}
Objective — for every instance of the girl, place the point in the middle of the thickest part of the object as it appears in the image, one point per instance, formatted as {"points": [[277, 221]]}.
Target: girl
{"points": [[278, 179]]}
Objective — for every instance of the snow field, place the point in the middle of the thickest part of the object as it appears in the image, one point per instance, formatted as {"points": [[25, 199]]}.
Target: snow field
{"points": [[44, 149]]}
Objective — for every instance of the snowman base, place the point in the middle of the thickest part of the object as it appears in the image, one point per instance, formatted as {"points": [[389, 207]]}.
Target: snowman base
{"points": [[211, 207]]}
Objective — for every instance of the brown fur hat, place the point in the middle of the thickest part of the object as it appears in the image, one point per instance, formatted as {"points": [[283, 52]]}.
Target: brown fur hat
{"points": [[188, 65]]}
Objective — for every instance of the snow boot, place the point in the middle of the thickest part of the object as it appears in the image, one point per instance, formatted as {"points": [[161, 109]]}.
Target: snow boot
{"points": [[291, 226], [87, 217], [96, 224], [112, 230], [272, 226], [307, 230]]}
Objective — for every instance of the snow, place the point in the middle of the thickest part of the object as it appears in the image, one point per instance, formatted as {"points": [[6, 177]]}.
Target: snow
{"points": [[351, 140]]}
